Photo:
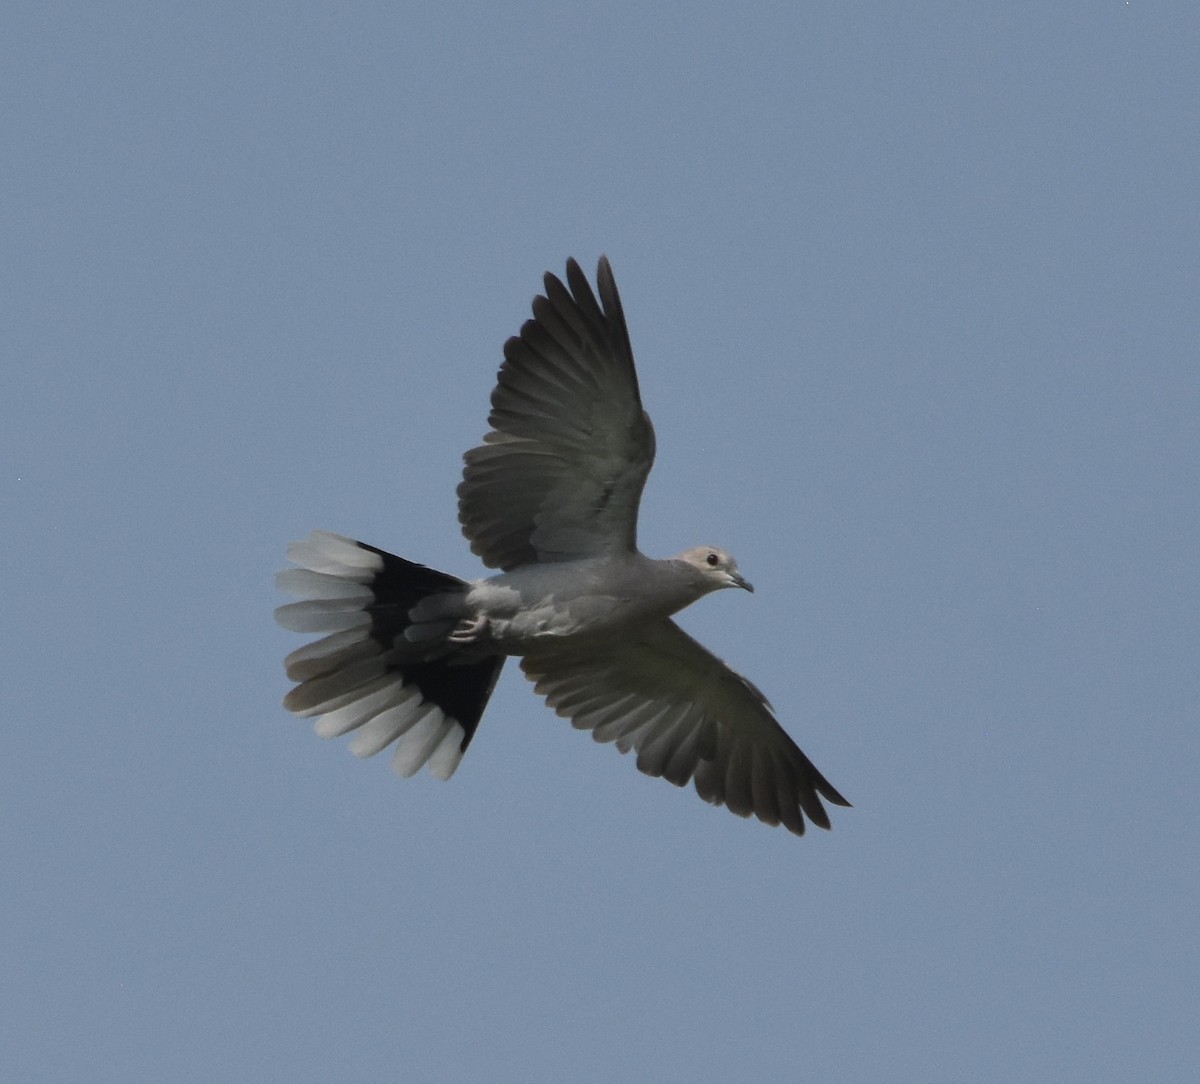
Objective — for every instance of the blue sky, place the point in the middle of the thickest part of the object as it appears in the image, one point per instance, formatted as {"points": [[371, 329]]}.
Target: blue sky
{"points": [[913, 293]]}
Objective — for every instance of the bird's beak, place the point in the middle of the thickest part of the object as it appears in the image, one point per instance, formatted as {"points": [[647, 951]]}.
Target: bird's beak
{"points": [[738, 581]]}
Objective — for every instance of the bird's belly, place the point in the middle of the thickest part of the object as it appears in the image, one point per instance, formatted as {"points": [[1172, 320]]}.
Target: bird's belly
{"points": [[543, 604], [550, 622]]}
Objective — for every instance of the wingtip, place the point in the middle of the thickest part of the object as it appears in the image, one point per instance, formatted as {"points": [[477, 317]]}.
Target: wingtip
{"points": [[830, 794], [603, 267]]}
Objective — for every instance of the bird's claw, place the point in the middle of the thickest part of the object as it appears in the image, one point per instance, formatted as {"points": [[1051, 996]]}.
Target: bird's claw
{"points": [[469, 630]]}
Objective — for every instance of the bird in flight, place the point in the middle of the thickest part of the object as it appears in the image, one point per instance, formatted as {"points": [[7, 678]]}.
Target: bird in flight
{"points": [[409, 655]]}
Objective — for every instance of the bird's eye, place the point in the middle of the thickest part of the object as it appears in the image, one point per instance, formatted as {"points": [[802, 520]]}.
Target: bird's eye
{"points": [[712, 560]]}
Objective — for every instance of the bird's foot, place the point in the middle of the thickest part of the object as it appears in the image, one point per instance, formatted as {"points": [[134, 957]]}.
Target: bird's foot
{"points": [[470, 630]]}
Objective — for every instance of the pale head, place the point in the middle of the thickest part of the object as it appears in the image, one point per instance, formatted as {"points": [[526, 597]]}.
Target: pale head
{"points": [[716, 568]]}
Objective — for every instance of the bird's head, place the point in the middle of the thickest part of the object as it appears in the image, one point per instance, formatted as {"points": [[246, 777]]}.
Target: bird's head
{"points": [[716, 569]]}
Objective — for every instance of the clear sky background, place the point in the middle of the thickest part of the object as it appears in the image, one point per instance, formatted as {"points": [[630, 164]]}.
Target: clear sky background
{"points": [[913, 290]]}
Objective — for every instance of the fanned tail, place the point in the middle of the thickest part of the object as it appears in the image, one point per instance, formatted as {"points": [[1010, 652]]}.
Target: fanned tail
{"points": [[384, 667]]}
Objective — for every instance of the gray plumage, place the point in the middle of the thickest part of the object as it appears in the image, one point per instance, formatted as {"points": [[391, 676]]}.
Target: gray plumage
{"points": [[550, 498]]}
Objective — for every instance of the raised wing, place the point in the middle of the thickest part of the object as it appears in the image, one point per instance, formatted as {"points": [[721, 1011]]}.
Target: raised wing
{"points": [[689, 717], [561, 472]]}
